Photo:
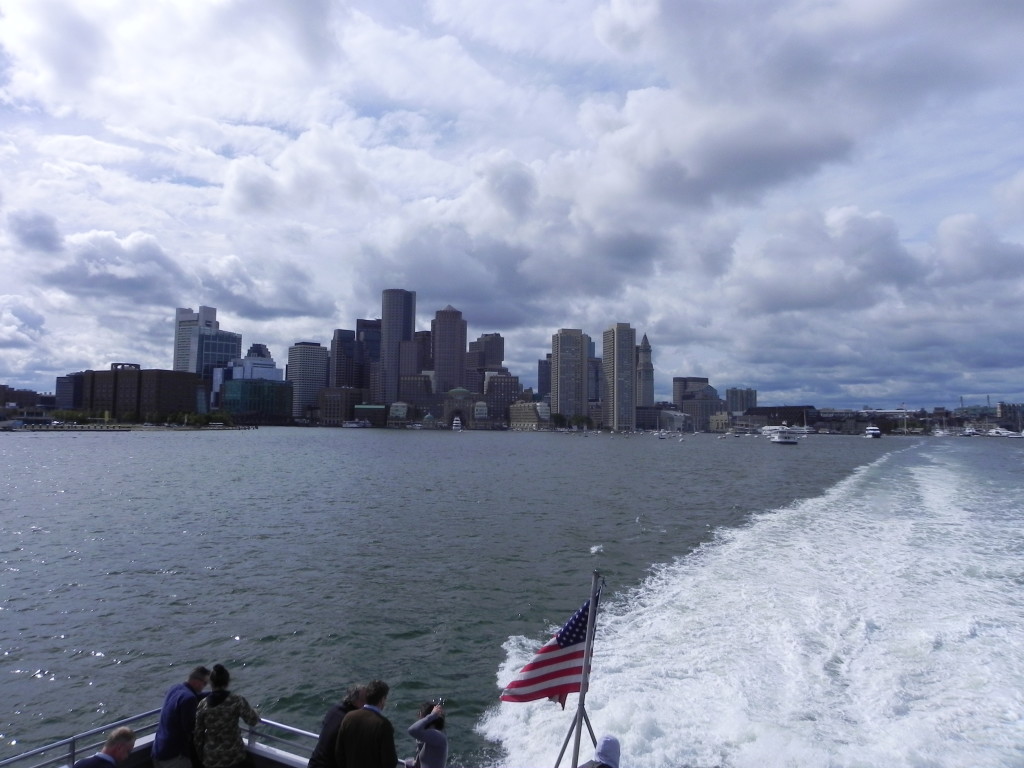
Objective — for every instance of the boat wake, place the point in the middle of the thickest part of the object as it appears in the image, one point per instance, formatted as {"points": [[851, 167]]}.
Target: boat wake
{"points": [[876, 625]]}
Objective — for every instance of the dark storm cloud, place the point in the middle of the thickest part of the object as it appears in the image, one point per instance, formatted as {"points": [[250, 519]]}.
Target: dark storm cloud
{"points": [[35, 230], [513, 186], [134, 269], [267, 291]]}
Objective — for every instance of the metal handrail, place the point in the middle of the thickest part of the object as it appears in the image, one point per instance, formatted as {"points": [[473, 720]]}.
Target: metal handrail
{"points": [[254, 734], [71, 743], [63, 752]]}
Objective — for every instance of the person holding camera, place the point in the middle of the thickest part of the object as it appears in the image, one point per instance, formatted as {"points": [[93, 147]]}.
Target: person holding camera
{"points": [[431, 740]]}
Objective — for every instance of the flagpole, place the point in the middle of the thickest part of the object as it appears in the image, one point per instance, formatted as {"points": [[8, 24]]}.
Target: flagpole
{"points": [[588, 652]]}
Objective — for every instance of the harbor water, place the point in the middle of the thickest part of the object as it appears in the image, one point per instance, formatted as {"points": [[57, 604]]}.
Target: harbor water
{"points": [[841, 602]]}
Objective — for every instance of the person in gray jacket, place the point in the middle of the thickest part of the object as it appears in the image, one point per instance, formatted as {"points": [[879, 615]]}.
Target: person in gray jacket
{"points": [[431, 740]]}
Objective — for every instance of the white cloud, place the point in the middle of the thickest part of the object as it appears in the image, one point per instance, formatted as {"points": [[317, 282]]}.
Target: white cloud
{"points": [[799, 196]]}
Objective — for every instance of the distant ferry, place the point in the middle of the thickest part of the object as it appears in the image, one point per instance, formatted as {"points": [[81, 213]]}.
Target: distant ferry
{"points": [[457, 424], [357, 424], [872, 431]]}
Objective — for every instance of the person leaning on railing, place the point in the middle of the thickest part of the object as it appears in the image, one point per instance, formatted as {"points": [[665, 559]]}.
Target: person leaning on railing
{"points": [[118, 746]]}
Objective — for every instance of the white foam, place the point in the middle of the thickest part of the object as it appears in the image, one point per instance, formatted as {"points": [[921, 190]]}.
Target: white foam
{"points": [[878, 625]]}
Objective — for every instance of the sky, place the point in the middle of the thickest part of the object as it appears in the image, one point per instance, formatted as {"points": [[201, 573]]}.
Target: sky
{"points": [[819, 199]]}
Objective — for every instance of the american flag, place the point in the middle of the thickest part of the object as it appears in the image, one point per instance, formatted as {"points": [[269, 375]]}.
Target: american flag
{"points": [[556, 670]]}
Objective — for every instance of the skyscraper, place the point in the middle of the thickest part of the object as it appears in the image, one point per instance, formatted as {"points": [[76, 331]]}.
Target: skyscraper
{"points": [[619, 363], [368, 355], [185, 323], [569, 391], [644, 374], [448, 332], [738, 400], [343, 359], [492, 349], [398, 321], [307, 371]]}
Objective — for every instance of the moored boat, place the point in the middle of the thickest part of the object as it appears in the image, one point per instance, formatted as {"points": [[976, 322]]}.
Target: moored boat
{"points": [[872, 431]]}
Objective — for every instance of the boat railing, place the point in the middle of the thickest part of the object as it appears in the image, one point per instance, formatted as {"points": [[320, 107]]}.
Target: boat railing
{"points": [[280, 744], [271, 744], [67, 751]]}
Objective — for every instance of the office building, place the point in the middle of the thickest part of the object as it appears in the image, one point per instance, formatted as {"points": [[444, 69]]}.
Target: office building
{"points": [[398, 321], [448, 332], [737, 401], [344, 358], [128, 393], [367, 369], [308, 368], [491, 350], [185, 324], [569, 392], [544, 377], [619, 364], [257, 364]]}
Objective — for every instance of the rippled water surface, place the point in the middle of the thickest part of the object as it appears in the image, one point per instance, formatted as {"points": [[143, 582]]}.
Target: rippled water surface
{"points": [[761, 599]]}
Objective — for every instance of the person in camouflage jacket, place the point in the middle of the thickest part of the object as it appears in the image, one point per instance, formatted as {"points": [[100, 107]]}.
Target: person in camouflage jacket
{"points": [[217, 735]]}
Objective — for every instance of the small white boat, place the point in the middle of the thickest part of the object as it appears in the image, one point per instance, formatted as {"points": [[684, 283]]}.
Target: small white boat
{"points": [[456, 424], [872, 431], [785, 437]]}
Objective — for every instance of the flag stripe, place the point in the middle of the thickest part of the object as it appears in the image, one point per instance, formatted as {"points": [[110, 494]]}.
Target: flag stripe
{"points": [[565, 671], [556, 669]]}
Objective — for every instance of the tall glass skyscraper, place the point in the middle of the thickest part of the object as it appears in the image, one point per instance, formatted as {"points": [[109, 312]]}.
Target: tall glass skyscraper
{"points": [[619, 363], [397, 323], [569, 391], [307, 371], [186, 322], [448, 333]]}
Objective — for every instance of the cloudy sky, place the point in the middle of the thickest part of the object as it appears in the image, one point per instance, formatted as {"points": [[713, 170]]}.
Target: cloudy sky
{"points": [[820, 199]]}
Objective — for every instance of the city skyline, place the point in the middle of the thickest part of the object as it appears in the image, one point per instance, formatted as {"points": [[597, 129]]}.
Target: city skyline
{"points": [[820, 201]]}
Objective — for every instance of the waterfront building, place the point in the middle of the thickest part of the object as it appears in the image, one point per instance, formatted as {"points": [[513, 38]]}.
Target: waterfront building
{"points": [[737, 401], [569, 392], [398, 321], [336, 405], [308, 367], [501, 389], [68, 392], [644, 375], [448, 332], [257, 364], [128, 393], [619, 364], [257, 400], [524, 416]]}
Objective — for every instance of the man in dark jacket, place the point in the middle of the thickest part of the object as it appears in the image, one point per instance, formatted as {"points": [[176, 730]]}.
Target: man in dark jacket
{"points": [[118, 746], [323, 753], [366, 738], [173, 746]]}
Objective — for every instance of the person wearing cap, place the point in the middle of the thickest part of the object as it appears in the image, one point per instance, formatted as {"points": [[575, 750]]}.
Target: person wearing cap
{"points": [[606, 755]]}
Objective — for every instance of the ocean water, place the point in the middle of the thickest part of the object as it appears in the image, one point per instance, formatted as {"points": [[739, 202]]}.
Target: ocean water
{"points": [[844, 602]]}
